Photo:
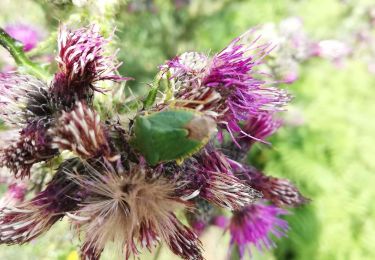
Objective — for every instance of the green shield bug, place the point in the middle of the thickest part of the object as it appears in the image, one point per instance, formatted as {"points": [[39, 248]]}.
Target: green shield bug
{"points": [[173, 134]]}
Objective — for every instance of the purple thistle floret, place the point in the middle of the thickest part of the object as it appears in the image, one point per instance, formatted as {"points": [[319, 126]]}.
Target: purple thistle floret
{"points": [[254, 129], [14, 195], [82, 62], [227, 86], [26, 34], [232, 72], [254, 225], [260, 127]]}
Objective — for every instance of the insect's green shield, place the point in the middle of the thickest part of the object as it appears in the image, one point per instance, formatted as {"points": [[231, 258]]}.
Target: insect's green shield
{"points": [[174, 134]]}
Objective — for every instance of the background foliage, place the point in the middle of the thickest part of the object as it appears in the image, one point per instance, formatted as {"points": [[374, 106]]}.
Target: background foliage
{"points": [[329, 156]]}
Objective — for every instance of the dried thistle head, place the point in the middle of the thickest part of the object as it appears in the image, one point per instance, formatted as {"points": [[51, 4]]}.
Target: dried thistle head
{"points": [[210, 176], [134, 209], [81, 132], [280, 192], [82, 61], [28, 220], [33, 145], [24, 99], [227, 191]]}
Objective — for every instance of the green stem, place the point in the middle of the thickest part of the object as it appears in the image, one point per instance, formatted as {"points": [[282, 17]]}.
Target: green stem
{"points": [[157, 253], [15, 48]]}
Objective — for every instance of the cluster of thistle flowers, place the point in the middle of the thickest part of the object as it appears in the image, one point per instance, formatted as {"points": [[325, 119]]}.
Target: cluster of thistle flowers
{"points": [[359, 34], [294, 46], [107, 189]]}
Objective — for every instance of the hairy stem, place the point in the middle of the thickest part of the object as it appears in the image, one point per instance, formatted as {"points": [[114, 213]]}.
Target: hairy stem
{"points": [[15, 48]]}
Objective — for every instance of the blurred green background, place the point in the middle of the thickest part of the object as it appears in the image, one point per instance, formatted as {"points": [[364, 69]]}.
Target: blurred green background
{"points": [[329, 156]]}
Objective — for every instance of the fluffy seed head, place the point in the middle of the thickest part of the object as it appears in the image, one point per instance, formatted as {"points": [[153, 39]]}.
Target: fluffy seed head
{"points": [[133, 209], [28, 220]]}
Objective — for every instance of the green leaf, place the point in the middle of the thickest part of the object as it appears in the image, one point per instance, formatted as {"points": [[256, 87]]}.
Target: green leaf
{"points": [[15, 48]]}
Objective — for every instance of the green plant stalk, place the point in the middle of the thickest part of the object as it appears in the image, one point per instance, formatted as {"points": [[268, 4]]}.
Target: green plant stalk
{"points": [[15, 48]]}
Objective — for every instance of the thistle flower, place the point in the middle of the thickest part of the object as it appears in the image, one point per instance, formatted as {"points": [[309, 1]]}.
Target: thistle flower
{"points": [[254, 129], [333, 50], [14, 195], [23, 98], [29, 103], [280, 192], [26, 34], [82, 62], [30, 219], [227, 191], [134, 209], [32, 146], [80, 131], [221, 187], [258, 128], [227, 86], [254, 225]]}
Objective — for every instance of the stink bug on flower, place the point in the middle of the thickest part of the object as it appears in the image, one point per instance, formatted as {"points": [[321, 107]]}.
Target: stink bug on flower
{"points": [[173, 134]]}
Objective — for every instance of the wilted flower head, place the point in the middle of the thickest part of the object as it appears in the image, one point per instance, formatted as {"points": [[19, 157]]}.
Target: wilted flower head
{"points": [[82, 56], [28, 220], [82, 61], [134, 209], [81, 131], [281, 192], [31, 104], [33, 145], [23, 98], [226, 86], [25, 102], [211, 175], [26, 34], [254, 225]]}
